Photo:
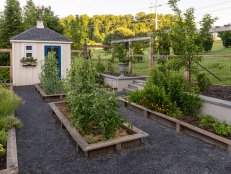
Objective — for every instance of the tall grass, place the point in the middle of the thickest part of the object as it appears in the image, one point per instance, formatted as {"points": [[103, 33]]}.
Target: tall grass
{"points": [[8, 102]]}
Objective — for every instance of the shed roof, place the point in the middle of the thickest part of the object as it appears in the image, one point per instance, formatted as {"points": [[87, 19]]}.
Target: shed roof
{"points": [[40, 34]]}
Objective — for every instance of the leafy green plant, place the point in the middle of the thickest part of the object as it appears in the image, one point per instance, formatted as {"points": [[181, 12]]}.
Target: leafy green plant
{"points": [[203, 82], [9, 101], [9, 122], [2, 150], [100, 68], [3, 137], [49, 79], [221, 128], [120, 52], [206, 121], [4, 76], [93, 111]]}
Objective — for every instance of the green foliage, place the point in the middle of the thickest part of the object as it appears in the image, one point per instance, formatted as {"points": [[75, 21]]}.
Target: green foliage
{"points": [[226, 38], [100, 68], [11, 21], [138, 50], [9, 122], [221, 128], [185, 38], [85, 99], [120, 52], [2, 150], [4, 76], [168, 94], [3, 137], [49, 79], [8, 102], [203, 82], [163, 41], [206, 36], [206, 121], [29, 14]]}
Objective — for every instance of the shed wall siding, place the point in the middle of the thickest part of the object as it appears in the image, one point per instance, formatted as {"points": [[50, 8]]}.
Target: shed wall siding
{"points": [[30, 75]]}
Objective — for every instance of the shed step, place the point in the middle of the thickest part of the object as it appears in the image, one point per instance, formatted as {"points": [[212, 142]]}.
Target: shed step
{"points": [[135, 86], [127, 90]]}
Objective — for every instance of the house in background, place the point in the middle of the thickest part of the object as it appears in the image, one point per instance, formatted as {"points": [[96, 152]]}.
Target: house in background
{"points": [[37, 42]]}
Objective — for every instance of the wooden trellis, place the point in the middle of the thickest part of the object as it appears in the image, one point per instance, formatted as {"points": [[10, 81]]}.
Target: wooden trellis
{"points": [[10, 67]]}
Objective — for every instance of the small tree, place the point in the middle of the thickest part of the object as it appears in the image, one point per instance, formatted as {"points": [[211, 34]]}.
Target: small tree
{"points": [[185, 38], [49, 79]]}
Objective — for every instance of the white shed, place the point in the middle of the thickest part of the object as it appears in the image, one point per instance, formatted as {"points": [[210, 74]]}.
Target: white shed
{"points": [[37, 42]]}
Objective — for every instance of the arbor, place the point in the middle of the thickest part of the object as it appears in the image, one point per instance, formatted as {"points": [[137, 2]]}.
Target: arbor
{"points": [[12, 22]]}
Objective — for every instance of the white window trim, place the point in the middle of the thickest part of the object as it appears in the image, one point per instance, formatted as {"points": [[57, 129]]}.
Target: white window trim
{"points": [[29, 51]]}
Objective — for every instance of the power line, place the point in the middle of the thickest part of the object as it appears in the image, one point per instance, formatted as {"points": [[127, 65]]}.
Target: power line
{"points": [[215, 10], [220, 3]]}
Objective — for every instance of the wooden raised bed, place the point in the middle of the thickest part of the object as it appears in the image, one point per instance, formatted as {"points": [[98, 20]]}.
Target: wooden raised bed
{"points": [[11, 158], [180, 126], [47, 97], [96, 149]]}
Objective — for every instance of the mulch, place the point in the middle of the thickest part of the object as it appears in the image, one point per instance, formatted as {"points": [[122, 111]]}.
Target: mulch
{"points": [[220, 92]]}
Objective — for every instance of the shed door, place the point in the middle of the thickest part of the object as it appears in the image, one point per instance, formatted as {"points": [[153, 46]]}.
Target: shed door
{"points": [[57, 50]]}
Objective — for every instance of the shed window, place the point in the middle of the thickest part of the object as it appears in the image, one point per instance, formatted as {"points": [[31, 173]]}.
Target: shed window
{"points": [[29, 51]]}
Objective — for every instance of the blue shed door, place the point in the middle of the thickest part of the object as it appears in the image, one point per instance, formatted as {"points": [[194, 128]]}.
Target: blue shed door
{"points": [[57, 50]]}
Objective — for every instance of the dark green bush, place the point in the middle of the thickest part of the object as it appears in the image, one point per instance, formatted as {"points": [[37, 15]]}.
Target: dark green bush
{"points": [[203, 82], [4, 75], [49, 79], [3, 137], [93, 111]]}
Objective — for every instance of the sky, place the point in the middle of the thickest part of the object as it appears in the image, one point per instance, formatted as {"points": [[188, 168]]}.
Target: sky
{"points": [[63, 8]]}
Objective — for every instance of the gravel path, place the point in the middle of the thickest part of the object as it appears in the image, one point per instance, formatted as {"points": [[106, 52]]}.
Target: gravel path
{"points": [[45, 148]]}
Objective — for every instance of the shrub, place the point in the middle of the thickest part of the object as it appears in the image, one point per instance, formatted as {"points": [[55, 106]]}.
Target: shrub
{"points": [[100, 68], [8, 102], [203, 82], [206, 121], [3, 137], [9, 122], [49, 79], [2, 150], [4, 75], [93, 111], [221, 128]]}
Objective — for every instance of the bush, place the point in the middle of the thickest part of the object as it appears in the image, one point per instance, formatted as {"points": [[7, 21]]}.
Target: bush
{"points": [[221, 128], [8, 102], [4, 75], [100, 68], [93, 111], [3, 137], [203, 82], [206, 121], [49, 79], [9, 122], [226, 38]]}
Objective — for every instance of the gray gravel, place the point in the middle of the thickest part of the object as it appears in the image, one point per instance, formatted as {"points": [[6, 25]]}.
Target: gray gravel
{"points": [[45, 148]]}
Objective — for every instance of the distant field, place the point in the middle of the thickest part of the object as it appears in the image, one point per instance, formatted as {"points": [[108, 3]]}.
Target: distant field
{"points": [[220, 66]]}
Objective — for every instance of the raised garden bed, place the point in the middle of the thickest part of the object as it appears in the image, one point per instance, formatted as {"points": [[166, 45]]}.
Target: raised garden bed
{"points": [[119, 83], [219, 109], [49, 97], [133, 137], [180, 126], [11, 156]]}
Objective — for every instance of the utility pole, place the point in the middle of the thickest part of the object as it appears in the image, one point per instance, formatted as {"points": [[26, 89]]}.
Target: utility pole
{"points": [[151, 54], [156, 18]]}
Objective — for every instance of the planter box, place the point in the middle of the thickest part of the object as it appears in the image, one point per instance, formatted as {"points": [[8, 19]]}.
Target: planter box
{"points": [[219, 109], [47, 97], [12, 158], [120, 83], [180, 126], [93, 150]]}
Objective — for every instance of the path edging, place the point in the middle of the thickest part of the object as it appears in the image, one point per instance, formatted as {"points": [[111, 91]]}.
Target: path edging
{"points": [[179, 125]]}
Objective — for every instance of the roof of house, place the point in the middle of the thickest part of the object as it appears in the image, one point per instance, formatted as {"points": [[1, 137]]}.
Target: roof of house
{"points": [[40, 34]]}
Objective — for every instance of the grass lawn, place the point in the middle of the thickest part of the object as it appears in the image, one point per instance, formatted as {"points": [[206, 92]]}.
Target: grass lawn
{"points": [[221, 67]]}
